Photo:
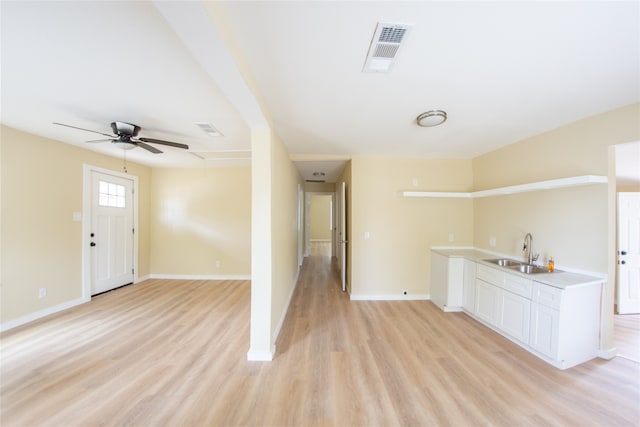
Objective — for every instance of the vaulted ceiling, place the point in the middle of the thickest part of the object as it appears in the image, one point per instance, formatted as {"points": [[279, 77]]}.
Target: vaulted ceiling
{"points": [[503, 71]]}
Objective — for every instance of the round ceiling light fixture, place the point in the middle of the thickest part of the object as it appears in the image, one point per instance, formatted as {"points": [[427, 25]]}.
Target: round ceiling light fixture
{"points": [[431, 118]]}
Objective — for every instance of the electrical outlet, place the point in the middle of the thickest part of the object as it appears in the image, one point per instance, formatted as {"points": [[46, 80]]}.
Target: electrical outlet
{"points": [[452, 237], [492, 242], [42, 292], [217, 263], [414, 182]]}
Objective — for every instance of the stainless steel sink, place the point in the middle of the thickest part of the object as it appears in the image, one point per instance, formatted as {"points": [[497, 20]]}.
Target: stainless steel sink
{"points": [[517, 265], [530, 269], [504, 262]]}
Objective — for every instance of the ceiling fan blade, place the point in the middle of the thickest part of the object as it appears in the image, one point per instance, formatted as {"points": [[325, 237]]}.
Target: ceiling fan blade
{"points": [[101, 140], [147, 147], [87, 130], [169, 143]]}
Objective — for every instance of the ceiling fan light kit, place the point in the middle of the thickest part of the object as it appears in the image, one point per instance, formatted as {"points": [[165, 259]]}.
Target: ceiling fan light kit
{"points": [[124, 145], [126, 137], [431, 118]]}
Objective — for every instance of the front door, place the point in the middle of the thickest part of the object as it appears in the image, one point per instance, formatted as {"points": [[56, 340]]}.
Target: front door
{"points": [[628, 253], [111, 232]]}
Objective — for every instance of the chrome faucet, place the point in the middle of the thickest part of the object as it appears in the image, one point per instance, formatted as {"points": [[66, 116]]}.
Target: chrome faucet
{"points": [[529, 246]]}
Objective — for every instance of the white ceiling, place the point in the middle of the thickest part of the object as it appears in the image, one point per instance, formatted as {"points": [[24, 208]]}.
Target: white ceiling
{"points": [[503, 71]]}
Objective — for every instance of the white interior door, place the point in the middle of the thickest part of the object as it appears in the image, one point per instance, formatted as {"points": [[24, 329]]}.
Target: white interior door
{"points": [[343, 235], [111, 231], [628, 276], [300, 224]]}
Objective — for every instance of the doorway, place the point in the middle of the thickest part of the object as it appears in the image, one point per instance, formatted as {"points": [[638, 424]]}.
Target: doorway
{"points": [[320, 221], [110, 218], [624, 176]]}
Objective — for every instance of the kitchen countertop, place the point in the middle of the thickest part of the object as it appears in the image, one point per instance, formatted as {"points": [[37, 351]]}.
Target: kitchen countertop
{"points": [[558, 279]]}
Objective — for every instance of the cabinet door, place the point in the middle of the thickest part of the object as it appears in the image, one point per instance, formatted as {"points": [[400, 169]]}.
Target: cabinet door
{"points": [[515, 315], [487, 305], [469, 286], [545, 322]]}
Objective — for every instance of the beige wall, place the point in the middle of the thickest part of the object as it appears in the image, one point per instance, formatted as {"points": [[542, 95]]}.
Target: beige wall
{"points": [[284, 205], [319, 187], [402, 230], [578, 148], [200, 216], [570, 224], [41, 244], [274, 248], [320, 218]]}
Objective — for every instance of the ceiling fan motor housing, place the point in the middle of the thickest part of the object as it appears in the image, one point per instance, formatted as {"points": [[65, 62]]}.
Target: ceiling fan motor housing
{"points": [[122, 128]]}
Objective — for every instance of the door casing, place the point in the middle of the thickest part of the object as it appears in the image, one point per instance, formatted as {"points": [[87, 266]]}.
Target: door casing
{"points": [[86, 224]]}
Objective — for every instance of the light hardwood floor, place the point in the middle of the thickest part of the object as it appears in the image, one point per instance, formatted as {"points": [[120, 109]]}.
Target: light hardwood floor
{"points": [[173, 353]]}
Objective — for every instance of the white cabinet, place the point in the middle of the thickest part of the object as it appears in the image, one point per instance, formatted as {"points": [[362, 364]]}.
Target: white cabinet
{"points": [[545, 323], [559, 324], [503, 300], [448, 278], [487, 305], [565, 323], [515, 314], [469, 286]]}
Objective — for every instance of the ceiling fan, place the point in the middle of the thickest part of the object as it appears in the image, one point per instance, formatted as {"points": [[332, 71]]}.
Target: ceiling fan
{"points": [[126, 137]]}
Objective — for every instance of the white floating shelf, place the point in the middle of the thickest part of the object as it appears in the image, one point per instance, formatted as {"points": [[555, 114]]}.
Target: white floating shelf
{"points": [[551, 184]]}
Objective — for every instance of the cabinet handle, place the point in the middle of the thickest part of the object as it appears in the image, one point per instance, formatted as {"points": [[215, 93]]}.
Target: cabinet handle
{"points": [[623, 252]]}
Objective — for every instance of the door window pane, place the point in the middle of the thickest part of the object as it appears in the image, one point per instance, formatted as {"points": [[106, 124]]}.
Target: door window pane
{"points": [[111, 195]]}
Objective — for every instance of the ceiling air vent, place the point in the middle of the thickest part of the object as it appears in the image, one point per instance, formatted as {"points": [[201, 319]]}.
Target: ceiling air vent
{"points": [[384, 47]]}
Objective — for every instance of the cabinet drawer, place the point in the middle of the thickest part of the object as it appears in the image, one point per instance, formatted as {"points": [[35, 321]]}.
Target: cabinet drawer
{"points": [[490, 275], [518, 285], [547, 295]]}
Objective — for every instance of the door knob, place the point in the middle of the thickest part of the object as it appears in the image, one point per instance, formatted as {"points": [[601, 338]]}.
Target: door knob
{"points": [[92, 244]]}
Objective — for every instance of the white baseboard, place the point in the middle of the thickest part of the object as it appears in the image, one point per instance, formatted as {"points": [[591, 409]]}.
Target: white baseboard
{"points": [[40, 314], [199, 276], [388, 297], [261, 356]]}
